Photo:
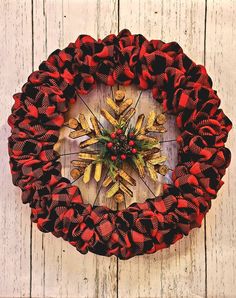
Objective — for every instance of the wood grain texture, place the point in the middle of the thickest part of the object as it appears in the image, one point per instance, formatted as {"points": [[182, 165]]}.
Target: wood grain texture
{"points": [[46, 261], [180, 270], [58, 270], [16, 55], [220, 225], [200, 265]]}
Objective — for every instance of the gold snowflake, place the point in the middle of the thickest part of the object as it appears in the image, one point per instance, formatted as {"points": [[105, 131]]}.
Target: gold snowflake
{"points": [[120, 145]]}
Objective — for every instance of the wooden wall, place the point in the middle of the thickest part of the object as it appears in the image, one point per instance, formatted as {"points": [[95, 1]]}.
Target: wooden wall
{"points": [[38, 265]]}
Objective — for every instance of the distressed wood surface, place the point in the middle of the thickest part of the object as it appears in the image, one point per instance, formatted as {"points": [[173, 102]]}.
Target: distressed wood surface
{"points": [[16, 55], [39, 265], [182, 21], [57, 268], [220, 225]]}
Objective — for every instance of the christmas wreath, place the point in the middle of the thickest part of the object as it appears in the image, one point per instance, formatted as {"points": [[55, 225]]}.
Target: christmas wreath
{"points": [[181, 86]]}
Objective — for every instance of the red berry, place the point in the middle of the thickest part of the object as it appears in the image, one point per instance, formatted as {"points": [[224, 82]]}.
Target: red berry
{"points": [[134, 150], [131, 143], [131, 134], [109, 145], [113, 158], [123, 156], [113, 135], [119, 131]]}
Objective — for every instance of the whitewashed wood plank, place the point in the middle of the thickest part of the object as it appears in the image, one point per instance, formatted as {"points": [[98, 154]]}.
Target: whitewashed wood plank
{"points": [[46, 249], [180, 270], [16, 64], [58, 269], [220, 223], [98, 274]]}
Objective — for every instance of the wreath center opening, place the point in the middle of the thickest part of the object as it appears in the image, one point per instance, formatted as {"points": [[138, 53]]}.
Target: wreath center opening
{"points": [[112, 149]]}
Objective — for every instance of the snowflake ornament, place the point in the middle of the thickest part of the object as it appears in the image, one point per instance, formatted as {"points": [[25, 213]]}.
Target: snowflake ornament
{"points": [[120, 145]]}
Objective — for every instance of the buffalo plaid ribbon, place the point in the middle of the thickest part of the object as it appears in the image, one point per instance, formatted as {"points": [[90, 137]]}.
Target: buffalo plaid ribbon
{"points": [[181, 86]]}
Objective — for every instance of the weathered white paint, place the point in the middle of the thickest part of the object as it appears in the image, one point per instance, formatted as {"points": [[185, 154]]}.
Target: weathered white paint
{"points": [[201, 265], [180, 270], [89, 275], [15, 66], [220, 224]]}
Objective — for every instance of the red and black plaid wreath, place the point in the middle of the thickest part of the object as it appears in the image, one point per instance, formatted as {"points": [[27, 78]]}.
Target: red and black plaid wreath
{"points": [[183, 88]]}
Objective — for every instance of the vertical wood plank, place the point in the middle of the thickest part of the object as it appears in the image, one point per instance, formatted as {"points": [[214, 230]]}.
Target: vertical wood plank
{"points": [[58, 269], [16, 64], [220, 225], [46, 249], [180, 270], [97, 273]]}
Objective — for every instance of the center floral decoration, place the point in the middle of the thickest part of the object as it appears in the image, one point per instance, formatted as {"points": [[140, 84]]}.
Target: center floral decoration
{"points": [[120, 147]]}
